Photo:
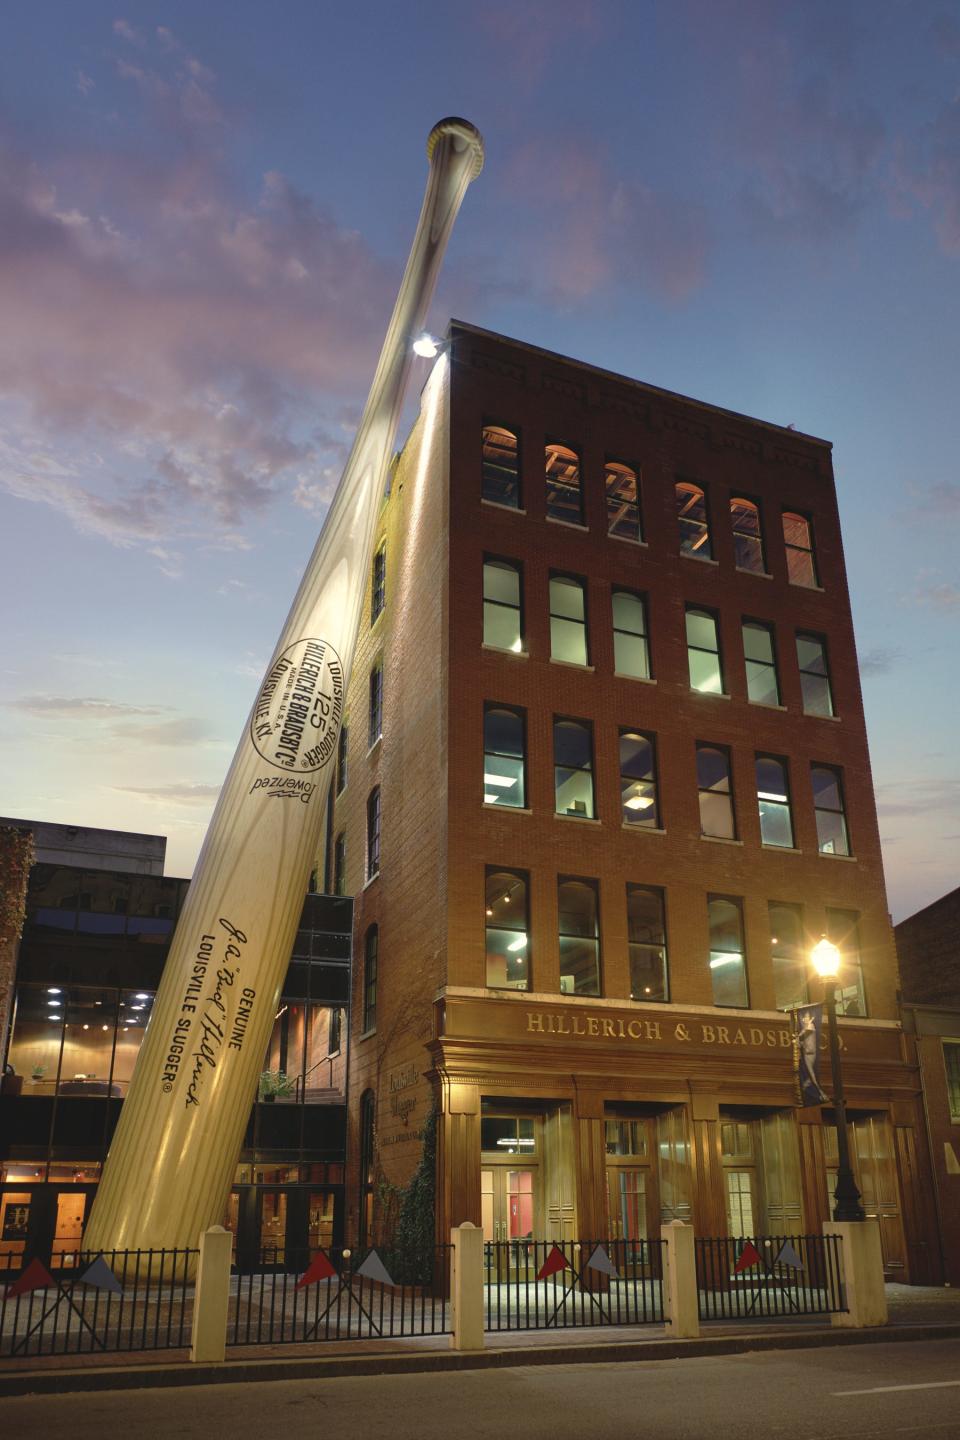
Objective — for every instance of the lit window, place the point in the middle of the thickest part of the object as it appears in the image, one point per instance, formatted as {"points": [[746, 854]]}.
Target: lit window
{"points": [[376, 703], [951, 1062], [693, 521], [564, 496], [373, 833], [716, 797], [814, 675], [502, 610], [501, 466], [579, 928], [703, 652], [340, 864], [773, 798], [573, 768], [504, 756], [843, 929], [342, 760], [788, 955], [763, 684], [638, 780], [728, 964], [368, 1105], [647, 940], [801, 558], [568, 620], [378, 583], [631, 648], [832, 835], [371, 961], [747, 536], [623, 501], [507, 930]]}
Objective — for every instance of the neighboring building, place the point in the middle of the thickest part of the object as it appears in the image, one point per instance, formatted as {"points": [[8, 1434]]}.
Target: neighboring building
{"points": [[928, 945], [605, 782], [91, 956], [94, 849]]}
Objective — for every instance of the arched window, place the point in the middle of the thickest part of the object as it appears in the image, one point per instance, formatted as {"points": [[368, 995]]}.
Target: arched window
{"points": [[623, 501], [716, 796], [693, 521], [340, 864], [507, 930], [501, 466], [373, 833], [371, 961], [829, 809], [747, 536], [502, 604], [578, 910], [703, 651], [504, 756], [564, 497], [573, 768], [631, 651], [568, 620], [798, 542], [728, 962], [378, 582], [773, 797], [638, 780], [368, 1105], [647, 943], [788, 954]]}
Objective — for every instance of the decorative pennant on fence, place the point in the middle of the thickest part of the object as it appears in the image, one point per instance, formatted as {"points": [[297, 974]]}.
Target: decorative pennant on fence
{"points": [[373, 1268], [100, 1277], [786, 1255], [601, 1262], [749, 1257], [319, 1269], [554, 1263], [35, 1277], [807, 1025]]}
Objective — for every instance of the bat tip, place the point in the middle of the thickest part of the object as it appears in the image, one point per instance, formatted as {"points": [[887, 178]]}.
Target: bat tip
{"points": [[465, 136]]}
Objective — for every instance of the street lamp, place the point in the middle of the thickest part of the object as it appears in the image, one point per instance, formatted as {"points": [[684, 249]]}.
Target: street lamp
{"points": [[846, 1197]]}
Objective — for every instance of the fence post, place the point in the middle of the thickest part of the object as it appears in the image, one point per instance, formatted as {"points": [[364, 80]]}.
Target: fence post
{"points": [[681, 1309], [466, 1287], [208, 1341], [861, 1268]]}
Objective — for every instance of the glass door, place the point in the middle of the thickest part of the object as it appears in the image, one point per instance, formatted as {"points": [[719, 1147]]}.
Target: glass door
{"points": [[627, 1217], [273, 1226], [507, 1209]]}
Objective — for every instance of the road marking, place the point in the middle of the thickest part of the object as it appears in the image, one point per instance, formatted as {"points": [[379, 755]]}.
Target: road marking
{"points": [[887, 1389]]}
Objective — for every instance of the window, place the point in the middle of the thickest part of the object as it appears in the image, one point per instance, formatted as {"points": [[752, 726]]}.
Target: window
{"points": [[716, 797], [368, 1104], [814, 675], [502, 609], [373, 833], [693, 521], [371, 960], [573, 767], [508, 930], [638, 780], [951, 1063], [342, 760], [564, 497], [579, 926], [340, 864], [504, 756], [798, 542], [631, 649], [568, 620], [747, 536], [623, 501], [376, 704], [728, 965], [647, 940], [832, 834], [334, 1030], [763, 683], [501, 466], [703, 652], [773, 797], [788, 955], [378, 583], [843, 929]]}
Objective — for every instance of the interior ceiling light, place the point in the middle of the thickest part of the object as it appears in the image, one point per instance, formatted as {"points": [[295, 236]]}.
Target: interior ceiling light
{"points": [[143, 997], [504, 781], [638, 802], [518, 944], [768, 795], [53, 991]]}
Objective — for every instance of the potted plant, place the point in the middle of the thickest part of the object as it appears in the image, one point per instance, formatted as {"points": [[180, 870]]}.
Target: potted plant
{"points": [[276, 1085], [37, 1073]]}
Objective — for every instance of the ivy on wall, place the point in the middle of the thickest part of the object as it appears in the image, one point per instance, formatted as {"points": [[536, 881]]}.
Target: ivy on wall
{"points": [[408, 1215], [16, 857]]}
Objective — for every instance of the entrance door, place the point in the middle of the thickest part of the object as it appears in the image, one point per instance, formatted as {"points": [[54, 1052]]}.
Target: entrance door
{"points": [[875, 1171], [320, 1221], [273, 1226], [507, 1208], [740, 1206], [71, 1209], [627, 1222]]}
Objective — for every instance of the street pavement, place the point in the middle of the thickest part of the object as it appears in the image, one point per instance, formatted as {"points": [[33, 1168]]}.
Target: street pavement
{"points": [[870, 1392]]}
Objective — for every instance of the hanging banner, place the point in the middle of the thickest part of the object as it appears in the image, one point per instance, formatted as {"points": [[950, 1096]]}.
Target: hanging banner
{"points": [[807, 1025]]}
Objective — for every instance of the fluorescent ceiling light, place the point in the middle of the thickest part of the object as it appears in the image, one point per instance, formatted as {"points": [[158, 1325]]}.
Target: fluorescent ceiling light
{"points": [[518, 944], [768, 795], [504, 781], [716, 963], [638, 802]]}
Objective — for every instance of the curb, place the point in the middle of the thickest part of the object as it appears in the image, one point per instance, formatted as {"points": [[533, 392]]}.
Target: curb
{"points": [[235, 1372]]}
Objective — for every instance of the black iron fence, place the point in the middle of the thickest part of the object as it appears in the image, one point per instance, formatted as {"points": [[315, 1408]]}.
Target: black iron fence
{"points": [[101, 1301], [341, 1295], [543, 1285], [765, 1276]]}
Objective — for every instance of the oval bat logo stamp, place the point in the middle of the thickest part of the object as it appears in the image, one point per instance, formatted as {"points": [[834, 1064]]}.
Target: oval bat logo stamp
{"points": [[296, 720]]}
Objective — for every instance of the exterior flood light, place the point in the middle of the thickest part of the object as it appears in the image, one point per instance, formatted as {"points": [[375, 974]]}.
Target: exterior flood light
{"points": [[426, 347]]}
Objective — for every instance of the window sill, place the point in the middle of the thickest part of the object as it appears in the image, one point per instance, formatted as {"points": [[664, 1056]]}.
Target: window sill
{"points": [[500, 650], [834, 719], [367, 883], [512, 809], [640, 679], [701, 559], [578, 819], [568, 524], [712, 694], [781, 849], [798, 585], [367, 1034], [764, 705], [642, 829], [627, 540], [829, 855], [508, 509], [720, 840], [760, 574], [572, 665]]}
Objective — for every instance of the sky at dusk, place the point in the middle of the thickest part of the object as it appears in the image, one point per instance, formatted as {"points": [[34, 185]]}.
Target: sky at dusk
{"points": [[204, 214]]}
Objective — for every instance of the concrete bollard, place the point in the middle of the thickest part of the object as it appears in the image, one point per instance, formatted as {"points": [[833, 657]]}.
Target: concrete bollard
{"points": [[466, 1287], [208, 1341], [861, 1268], [680, 1301]]}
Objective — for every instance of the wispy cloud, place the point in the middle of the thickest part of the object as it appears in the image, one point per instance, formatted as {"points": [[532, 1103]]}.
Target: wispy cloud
{"points": [[183, 794], [880, 661], [81, 706]]}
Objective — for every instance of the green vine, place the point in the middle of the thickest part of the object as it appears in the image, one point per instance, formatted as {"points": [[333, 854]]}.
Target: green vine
{"points": [[16, 857], [408, 1215]]}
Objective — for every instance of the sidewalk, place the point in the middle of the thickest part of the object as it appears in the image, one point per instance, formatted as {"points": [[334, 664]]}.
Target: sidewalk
{"points": [[915, 1314]]}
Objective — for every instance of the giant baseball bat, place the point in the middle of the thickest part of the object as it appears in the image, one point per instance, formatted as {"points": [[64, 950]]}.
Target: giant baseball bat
{"points": [[171, 1164]]}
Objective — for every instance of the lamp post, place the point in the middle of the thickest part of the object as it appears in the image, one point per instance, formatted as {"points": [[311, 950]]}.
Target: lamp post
{"points": [[846, 1197]]}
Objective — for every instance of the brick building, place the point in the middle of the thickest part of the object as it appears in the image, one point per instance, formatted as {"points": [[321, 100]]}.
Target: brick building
{"points": [[605, 781]]}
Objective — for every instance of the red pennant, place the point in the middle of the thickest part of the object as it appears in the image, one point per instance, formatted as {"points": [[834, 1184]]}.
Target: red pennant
{"points": [[318, 1269], [748, 1257], [554, 1262], [35, 1277]]}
